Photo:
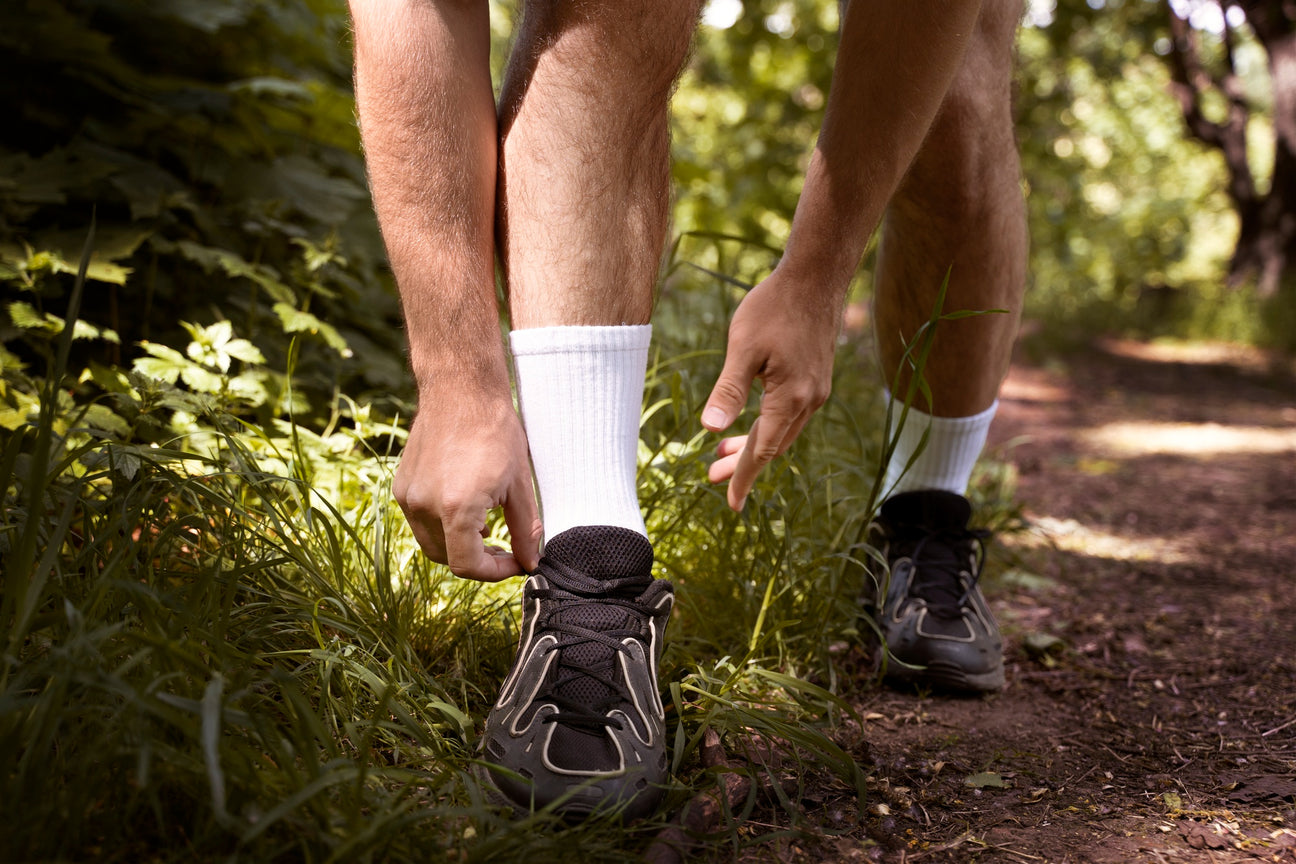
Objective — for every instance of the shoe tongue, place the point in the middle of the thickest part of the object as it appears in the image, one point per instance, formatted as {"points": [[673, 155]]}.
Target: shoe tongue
{"points": [[599, 559], [916, 519], [928, 511]]}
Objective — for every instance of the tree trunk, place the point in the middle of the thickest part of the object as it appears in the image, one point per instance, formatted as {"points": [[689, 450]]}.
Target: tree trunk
{"points": [[1266, 244]]}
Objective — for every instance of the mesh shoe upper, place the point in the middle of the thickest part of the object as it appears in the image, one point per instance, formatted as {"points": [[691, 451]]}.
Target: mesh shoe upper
{"points": [[933, 615], [579, 714]]}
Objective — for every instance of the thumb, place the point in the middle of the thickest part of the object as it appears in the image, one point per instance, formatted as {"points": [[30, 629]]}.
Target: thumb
{"points": [[729, 394], [523, 520]]}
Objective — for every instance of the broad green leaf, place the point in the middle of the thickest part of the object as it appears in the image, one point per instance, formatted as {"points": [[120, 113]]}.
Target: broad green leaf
{"points": [[163, 352], [242, 349], [25, 317], [316, 257], [307, 186], [103, 418], [17, 408], [85, 330], [44, 180], [164, 363], [9, 360], [149, 190], [297, 321], [110, 379], [162, 370], [249, 387], [200, 379], [106, 271], [124, 459], [212, 259]]}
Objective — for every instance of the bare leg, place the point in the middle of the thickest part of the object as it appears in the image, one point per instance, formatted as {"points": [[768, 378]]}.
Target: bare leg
{"points": [[583, 193], [960, 210], [582, 213]]}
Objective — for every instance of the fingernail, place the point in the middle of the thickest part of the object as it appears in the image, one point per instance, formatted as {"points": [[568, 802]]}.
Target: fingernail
{"points": [[714, 418], [742, 504]]}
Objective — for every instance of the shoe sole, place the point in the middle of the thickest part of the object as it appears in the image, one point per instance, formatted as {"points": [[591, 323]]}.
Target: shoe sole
{"points": [[571, 810], [944, 675]]}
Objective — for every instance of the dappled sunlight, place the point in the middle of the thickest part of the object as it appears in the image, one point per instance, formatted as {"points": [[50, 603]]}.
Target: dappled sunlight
{"points": [[1069, 535], [1020, 386], [1238, 356], [1142, 438]]}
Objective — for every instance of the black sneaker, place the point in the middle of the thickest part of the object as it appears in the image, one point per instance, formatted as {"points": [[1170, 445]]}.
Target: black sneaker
{"points": [[938, 630], [579, 720]]}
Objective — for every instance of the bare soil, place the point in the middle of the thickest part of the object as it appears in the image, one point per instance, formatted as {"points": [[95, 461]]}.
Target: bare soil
{"points": [[1149, 613]]}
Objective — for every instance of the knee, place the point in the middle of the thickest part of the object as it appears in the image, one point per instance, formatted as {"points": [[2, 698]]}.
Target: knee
{"points": [[634, 47], [980, 97], [968, 163]]}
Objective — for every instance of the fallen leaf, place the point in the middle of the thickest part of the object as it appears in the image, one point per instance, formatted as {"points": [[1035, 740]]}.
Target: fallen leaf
{"points": [[1200, 836], [986, 780]]}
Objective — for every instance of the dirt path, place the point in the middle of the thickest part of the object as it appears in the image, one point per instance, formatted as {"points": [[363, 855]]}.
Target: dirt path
{"points": [[1150, 613]]}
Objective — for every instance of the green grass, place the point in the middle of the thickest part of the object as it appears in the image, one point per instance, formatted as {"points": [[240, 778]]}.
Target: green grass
{"points": [[227, 646]]}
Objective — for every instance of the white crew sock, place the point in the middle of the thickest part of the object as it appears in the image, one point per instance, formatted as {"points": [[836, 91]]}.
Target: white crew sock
{"points": [[946, 461], [581, 393]]}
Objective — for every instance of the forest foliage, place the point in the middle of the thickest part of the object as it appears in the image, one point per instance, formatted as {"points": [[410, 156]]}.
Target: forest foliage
{"points": [[218, 636]]}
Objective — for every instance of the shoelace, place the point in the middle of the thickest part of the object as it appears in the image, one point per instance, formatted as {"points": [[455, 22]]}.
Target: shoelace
{"points": [[571, 712], [936, 577]]}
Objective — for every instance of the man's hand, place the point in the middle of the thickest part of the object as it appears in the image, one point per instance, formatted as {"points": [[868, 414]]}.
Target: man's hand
{"points": [[464, 458], [783, 333]]}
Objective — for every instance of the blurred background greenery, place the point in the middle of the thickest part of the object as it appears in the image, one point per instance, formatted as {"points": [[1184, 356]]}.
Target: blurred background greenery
{"points": [[219, 639], [216, 142]]}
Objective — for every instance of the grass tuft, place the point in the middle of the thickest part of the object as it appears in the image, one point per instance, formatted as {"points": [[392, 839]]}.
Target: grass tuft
{"points": [[225, 643]]}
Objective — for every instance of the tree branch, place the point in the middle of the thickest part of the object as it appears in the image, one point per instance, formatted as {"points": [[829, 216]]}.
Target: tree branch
{"points": [[1191, 81]]}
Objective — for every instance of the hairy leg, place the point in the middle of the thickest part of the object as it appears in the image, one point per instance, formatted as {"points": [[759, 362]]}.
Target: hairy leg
{"points": [[581, 214], [960, 210], [583, 190]]}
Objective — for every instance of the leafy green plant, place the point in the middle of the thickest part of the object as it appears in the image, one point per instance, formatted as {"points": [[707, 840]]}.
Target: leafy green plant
{"points": [[221, 640], [217, 143]]}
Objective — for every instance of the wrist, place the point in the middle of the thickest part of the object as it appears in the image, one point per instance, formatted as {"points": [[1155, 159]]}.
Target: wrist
{"points": [[821, 277], [471, 374], [835, 215]]}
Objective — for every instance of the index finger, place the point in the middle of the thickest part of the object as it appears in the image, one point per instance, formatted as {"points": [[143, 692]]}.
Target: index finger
{"points": [[759, 450], [770, 435]]}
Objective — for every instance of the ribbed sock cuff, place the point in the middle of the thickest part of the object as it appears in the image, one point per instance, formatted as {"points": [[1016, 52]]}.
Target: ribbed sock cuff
{"points": [[953, 446]]}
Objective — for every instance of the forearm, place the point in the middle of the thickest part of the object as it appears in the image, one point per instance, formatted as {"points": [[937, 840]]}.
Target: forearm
{"points": [[894, 64], [427, 116]]}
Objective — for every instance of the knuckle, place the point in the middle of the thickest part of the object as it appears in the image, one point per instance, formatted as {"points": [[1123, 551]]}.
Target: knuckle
{"points": [[412, 499], [801, 396], [810, 394], [729, 390], [822, 391]]}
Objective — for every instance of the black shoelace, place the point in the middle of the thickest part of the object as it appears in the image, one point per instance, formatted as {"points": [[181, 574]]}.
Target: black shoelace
{"points": [[939, 560], [572, 712]]}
